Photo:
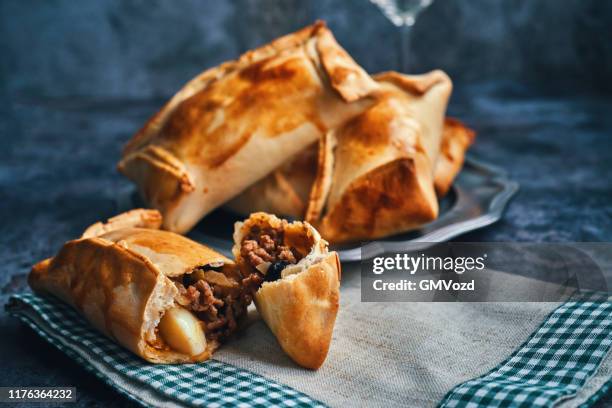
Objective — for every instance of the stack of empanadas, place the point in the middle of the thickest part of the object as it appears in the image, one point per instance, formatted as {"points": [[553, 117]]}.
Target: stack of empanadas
{"points": [[171, 300], [296, 127], [378, 173]]}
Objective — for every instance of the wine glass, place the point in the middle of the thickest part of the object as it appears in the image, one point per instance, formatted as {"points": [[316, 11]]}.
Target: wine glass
{"points": [[403, 15]]}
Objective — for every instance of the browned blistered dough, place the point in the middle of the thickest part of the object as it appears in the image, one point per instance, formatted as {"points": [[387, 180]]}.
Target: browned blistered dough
{"points": [[235, 123], [301, 307], [375, 173], [119, 277], [140, 218]]}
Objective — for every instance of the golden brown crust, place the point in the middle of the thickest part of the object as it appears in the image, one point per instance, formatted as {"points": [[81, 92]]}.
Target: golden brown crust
{"points": [[301, 307], [301, 311], [162, 179], [171, 253], [120, 281], [271, 196], [416, 84], [206, 145], [456, 139], [384, 160], [392, 198], [345, 76]]}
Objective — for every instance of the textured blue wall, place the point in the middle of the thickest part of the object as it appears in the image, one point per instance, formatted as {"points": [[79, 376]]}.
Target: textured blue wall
{"points": [[76, 77], [141, 49]]}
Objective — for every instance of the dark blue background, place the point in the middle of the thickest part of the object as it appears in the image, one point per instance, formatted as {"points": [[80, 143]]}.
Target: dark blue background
{"points": [[78, 78], [142, 49]]}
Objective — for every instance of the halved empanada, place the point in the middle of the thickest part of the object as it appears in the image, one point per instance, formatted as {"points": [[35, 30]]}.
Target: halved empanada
{"points": [[234, 124], [164, 297], [297, 283]]}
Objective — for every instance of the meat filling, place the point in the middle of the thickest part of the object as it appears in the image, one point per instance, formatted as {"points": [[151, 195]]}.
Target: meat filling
{"points": [[264, 249], [217, 299]]}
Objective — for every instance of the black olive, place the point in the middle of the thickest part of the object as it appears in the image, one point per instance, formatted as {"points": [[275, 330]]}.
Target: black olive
{"points": [[274, 271]]}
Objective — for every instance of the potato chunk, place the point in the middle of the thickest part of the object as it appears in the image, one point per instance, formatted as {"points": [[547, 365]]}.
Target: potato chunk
{"points": [[182, 331]]}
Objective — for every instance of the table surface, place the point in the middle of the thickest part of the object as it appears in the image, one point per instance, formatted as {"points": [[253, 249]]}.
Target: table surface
{"points": [[57, 175]]}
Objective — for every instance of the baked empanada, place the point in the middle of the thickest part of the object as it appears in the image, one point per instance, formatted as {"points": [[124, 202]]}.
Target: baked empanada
{"points": [[297, 283], [164, 297], [235, 123], [383, 162]]}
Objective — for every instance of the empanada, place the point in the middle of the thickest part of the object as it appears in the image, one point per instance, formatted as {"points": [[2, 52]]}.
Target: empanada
{"points": [[383, 162], [164, 297], [298, 289], [235, 123]]}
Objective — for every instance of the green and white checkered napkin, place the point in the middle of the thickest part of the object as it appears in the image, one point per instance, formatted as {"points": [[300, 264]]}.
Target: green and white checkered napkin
{"points": [[209, 384], [555, 366], [552, 365]]}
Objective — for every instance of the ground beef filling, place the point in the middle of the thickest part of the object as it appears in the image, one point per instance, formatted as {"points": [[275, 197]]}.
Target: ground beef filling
{"points": [[216, 299], [266, 246], [220, 299]]}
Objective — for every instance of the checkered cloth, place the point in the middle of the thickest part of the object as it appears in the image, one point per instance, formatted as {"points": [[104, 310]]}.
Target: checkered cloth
{"points": [[210, 384], [551, 366]]}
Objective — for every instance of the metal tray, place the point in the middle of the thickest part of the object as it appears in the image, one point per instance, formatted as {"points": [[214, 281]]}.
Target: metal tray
{"points": [[478, 198]]}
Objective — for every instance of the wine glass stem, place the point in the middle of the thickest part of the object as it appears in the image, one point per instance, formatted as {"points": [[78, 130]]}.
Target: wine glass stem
{"points": [[405, 32]]}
